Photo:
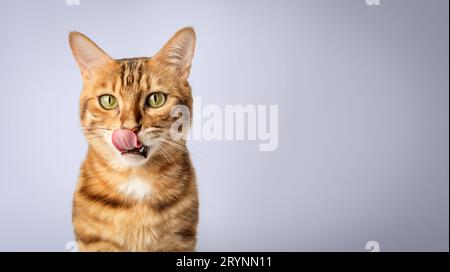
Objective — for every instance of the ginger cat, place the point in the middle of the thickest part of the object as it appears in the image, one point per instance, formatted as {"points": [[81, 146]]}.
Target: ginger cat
{"points": [[137, 188]]}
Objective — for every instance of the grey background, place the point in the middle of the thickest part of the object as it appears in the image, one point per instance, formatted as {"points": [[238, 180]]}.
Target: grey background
{"points": [[363, 95]]}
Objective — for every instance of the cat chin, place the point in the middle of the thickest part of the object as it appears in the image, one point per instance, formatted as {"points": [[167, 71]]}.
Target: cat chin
{"points": [[133, 160]]}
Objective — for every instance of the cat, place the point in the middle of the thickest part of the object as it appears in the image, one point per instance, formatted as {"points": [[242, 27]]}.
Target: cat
{"points": [[137, 188]]}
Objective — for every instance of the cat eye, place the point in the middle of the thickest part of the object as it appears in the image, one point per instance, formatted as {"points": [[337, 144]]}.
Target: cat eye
{"points": [[156, 100], [108, 102]]}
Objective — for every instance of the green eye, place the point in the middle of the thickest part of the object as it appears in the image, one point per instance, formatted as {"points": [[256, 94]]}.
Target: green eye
{"points": [[156, 100], [108, 102]]}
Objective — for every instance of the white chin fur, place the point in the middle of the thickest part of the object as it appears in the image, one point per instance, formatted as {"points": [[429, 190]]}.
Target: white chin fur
{"points": [[132, 159]]}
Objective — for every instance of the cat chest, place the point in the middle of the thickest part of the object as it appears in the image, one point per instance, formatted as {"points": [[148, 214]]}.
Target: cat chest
{"points": [[138, 227], [135, 187]]}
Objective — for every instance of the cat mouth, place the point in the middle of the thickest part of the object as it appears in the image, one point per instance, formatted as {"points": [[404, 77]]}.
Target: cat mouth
{"points": [[127, 143], [141, 151]]}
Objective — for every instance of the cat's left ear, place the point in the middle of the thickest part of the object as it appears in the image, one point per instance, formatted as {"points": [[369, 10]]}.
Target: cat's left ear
{"points": [[179, 51]]}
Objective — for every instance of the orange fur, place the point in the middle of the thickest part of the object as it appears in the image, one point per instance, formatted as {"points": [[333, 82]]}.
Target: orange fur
{"points": [[164, 216]]}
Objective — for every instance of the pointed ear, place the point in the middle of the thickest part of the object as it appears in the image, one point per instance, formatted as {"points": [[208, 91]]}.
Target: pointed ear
{"points": [[179, 51], [87, 54]]}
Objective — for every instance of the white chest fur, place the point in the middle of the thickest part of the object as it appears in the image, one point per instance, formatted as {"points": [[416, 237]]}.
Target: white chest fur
{"points": [[135, 187]]}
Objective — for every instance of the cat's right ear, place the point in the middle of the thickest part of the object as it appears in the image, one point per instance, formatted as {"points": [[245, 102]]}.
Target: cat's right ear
{"points": [[87, 54]]}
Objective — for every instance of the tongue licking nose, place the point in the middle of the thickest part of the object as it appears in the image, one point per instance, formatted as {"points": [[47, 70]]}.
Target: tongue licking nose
{"points": [[125, 140]]}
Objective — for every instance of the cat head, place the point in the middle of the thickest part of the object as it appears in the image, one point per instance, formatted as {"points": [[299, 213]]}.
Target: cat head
{"points": [[126, 104]]}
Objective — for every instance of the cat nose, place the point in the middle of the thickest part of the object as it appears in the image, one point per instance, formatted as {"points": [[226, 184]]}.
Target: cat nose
{"points": [[132, 128], [131, 122]]}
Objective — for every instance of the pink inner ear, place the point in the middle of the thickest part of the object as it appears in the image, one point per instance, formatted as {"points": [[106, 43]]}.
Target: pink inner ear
{"points": [[125, 139]]}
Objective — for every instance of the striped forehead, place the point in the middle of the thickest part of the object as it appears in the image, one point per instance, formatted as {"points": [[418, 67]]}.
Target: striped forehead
{"points": [[132, 76]]}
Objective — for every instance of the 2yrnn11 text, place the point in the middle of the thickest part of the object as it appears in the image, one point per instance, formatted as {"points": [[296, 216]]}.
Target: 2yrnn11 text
{"points": [[224, 262]]}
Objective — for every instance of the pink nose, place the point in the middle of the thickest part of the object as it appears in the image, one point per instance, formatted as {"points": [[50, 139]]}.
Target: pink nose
{"points": [[125, 139]]}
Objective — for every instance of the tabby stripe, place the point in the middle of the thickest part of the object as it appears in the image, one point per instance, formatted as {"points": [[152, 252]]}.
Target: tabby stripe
{"points": [[100, 162], [161, 206], [103, 199], [92, 239], [84, 109], [186, 233]]}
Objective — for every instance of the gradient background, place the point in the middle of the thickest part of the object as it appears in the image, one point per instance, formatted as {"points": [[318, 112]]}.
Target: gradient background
{"points": [[363, 95]]}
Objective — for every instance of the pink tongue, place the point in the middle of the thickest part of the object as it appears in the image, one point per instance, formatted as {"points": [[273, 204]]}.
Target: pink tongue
{"points": [[125, 139]]}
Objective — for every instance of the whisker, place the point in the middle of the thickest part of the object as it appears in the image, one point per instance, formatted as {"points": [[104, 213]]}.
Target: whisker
{"points": [[180, 147], [166, 156]]}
